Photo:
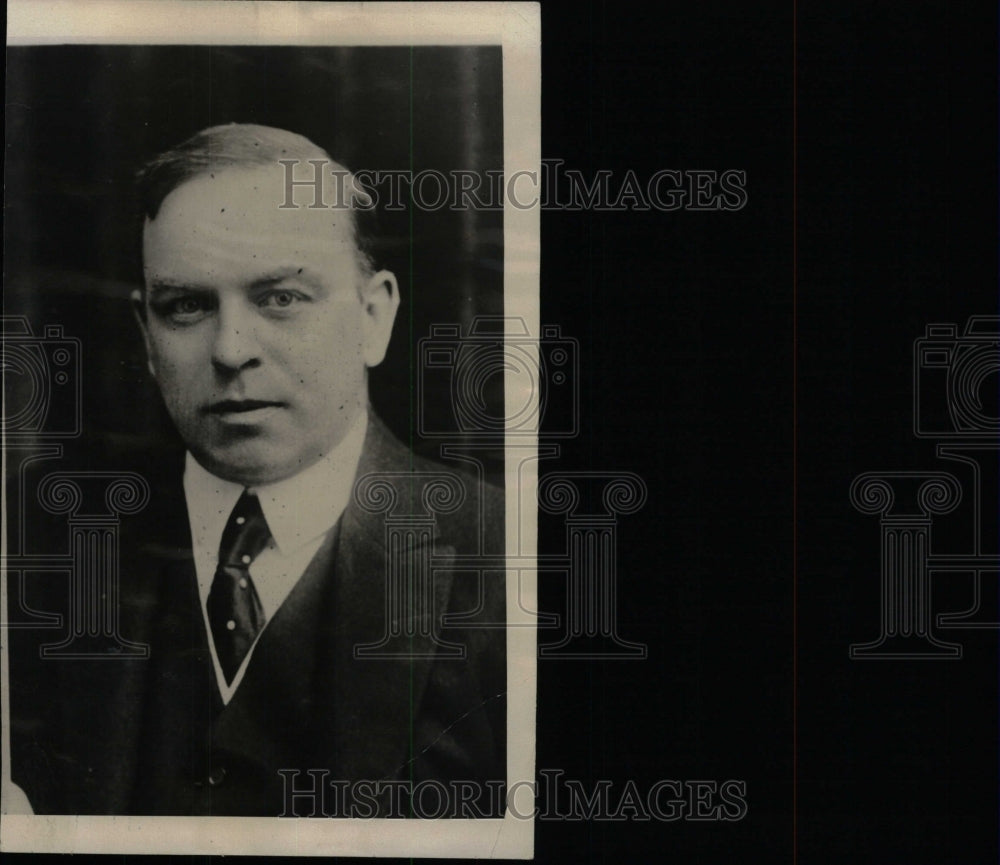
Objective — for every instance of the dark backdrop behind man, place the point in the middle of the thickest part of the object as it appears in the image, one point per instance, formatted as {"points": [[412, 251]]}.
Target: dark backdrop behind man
{"points": [[259, 566], [82, 118]]}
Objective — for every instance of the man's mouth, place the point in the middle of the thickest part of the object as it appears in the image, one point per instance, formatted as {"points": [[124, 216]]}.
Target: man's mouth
{"points": [[242, 409]]}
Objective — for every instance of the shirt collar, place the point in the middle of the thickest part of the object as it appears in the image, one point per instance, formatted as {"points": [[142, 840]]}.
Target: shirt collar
{"points": [[298, 509]]}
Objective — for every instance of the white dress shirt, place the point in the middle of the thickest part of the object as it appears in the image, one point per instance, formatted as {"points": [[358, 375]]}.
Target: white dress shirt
{"points": [[299, 510]]}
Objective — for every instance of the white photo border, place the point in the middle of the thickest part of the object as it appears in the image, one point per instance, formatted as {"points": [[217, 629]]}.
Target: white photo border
{"points": [[516, 27]]}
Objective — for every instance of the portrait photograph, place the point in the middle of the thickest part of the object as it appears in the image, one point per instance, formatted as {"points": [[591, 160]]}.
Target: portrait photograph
{"points": [[256, 315], [563, 431]]}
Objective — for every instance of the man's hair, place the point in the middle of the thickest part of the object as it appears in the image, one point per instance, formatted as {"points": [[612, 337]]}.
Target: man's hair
{"points": [[241, 145]]}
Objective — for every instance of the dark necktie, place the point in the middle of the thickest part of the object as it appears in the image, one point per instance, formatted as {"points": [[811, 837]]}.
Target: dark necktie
{"points": [[234, 610]]}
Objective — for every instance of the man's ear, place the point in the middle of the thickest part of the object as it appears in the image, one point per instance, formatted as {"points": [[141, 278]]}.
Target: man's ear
{"points": [[139, 311], [379, 302]]}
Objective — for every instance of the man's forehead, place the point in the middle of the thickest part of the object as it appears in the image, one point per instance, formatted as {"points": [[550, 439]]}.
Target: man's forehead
{"points": [[240, 209], [265, 189]]}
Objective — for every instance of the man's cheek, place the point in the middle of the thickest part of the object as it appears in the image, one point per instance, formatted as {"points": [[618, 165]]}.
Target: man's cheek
{"points": [[175, 361]]}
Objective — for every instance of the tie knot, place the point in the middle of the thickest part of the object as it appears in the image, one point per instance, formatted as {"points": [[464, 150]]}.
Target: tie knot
{"points": [[246, 533]]}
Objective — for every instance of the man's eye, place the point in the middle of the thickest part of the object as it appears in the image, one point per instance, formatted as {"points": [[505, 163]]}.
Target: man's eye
{"points": [[182, 309], [280, 299], [186, 305]]}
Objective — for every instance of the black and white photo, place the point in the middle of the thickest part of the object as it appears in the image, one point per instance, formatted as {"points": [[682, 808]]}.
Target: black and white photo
{"points": [[274, 530]]}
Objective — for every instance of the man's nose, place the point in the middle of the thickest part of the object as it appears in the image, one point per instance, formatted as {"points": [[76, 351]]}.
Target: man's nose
{"points": [[236, 344]]}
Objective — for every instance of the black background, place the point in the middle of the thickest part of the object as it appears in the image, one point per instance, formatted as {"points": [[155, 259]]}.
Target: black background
{"points": [[748, 366]]}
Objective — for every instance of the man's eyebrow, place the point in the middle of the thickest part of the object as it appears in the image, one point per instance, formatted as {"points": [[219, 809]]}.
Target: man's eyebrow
{"points": [[291, 272], [165, 284], [159, 285], [302, 274]]}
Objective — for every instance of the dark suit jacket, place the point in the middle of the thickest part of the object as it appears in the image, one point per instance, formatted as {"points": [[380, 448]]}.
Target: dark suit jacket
{"points": [[151, 736]]}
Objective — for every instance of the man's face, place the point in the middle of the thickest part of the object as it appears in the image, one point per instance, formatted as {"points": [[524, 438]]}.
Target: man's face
{"points": [[258, 323]]}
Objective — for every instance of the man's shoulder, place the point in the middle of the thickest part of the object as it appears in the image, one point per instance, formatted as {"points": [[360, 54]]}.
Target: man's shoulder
{"points": [[384, 454], [463, 502]]}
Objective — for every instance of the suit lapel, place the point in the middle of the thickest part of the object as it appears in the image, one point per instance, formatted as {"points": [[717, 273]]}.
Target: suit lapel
{"points": [[306, 701], [179, 696], [373, 700]]}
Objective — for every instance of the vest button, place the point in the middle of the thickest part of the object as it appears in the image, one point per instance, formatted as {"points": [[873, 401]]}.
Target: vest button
{"points": [[217, 776]]}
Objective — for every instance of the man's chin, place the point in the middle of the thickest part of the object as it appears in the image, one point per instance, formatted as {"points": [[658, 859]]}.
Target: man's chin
{"points": [[249, 463]]}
